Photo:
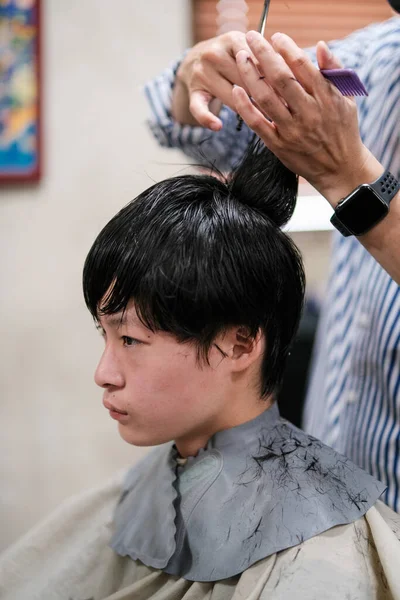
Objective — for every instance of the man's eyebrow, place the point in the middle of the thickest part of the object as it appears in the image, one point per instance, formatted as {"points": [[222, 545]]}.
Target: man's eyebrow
{"points": [[116, 320], [120, 319]]}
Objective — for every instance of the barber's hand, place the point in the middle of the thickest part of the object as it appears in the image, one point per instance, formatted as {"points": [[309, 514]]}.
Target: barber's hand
{"points": [[302, 117], [208, 72]]}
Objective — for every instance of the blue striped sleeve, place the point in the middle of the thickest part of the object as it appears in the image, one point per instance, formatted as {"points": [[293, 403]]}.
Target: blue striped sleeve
{"points": [[353, 402]]}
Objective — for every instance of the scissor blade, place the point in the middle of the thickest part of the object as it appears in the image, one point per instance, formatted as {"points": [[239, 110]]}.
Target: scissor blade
{"points": [[264, 15]]}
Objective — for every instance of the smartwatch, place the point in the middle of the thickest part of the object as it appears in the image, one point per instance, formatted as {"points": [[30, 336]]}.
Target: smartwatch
{"points": [[366, 206]]}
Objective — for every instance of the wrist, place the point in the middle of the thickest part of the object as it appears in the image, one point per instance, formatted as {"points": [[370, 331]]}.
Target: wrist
{"points": [[339, 186], [365, 206]]}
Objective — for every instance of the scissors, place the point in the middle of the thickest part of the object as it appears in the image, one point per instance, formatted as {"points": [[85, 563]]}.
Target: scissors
{"points": [[261, 29]]}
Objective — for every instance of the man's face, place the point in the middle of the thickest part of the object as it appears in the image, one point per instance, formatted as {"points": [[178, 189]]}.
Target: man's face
{"points": [[162, 390]]}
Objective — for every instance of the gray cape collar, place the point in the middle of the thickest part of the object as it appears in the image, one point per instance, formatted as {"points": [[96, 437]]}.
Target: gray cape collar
{"points": [[257, 489]]}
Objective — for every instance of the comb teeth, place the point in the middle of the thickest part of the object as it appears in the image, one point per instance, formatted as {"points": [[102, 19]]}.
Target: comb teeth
{"points": [[346, 80]]}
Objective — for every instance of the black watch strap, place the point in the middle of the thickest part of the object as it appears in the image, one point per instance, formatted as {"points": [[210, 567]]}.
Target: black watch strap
{"points": [[386, 186]]}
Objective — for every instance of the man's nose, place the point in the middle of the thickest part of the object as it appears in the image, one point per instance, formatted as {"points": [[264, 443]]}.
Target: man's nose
{"points": [[108, 372]]}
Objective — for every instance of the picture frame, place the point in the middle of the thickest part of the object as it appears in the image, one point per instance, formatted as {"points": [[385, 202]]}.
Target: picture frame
{"points": [[20, 91]]}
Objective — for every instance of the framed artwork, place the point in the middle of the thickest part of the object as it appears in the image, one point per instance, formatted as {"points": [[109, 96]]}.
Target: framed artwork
{"points": [[20, 118]]}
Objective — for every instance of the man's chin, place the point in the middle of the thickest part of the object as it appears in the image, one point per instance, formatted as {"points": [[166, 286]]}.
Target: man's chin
{"points": [[141, 438]]}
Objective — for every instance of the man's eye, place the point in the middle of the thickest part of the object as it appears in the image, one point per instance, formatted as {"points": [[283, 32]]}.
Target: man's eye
{"points": [[129, 341]]}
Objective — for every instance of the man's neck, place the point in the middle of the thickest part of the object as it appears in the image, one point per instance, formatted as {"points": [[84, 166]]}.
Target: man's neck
{"points": [[191, 444]]}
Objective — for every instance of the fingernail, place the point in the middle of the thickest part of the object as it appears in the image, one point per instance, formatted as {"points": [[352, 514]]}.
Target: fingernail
{"points": [[252, 35], [242, 56], [214, 126], [276, 36], [326, 48]]}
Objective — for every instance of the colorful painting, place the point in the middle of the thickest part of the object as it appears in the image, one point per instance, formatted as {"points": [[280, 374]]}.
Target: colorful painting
{"points": [[19, 90]]}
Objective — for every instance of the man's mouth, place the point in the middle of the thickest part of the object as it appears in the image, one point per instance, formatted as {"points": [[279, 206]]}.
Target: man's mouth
{"points": [[113, 408]]}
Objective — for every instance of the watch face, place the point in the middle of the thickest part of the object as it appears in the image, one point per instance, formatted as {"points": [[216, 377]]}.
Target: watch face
{"points": [[361, 210]]}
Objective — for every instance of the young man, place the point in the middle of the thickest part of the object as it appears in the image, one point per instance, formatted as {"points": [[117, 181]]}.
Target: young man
{"points": [[354, 395], [198, 293]]}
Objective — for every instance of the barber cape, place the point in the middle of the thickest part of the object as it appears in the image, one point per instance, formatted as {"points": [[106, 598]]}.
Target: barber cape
{"points": [[264, 512]]}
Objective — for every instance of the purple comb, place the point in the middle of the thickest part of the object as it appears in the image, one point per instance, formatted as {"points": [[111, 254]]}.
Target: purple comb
{"points": [[346, 80]]}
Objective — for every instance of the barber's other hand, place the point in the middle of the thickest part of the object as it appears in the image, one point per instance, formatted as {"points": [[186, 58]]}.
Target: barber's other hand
{"points": [[302, 117], [208, 73]]}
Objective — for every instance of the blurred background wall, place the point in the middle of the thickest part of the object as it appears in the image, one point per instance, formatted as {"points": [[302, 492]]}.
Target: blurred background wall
{"points": [[56, 438], [306, 21]]}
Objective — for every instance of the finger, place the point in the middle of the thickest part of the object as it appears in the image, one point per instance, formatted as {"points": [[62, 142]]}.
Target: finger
{"points": [[238, 43], [199, 107], [224, 65], [297, 60], [220, 56], [325, 58], [276, 72], [254, 118], [263, 94], [209, 85]]}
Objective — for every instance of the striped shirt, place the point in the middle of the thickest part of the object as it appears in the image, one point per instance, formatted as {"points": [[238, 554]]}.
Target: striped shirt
{"points": [[353, 402]]}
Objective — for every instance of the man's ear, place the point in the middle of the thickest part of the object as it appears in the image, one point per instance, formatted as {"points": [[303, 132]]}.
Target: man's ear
{"points": [[240, 347]]}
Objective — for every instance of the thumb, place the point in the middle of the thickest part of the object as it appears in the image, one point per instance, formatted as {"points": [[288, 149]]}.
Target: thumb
{"points": [[325, 58], [199, 106]]}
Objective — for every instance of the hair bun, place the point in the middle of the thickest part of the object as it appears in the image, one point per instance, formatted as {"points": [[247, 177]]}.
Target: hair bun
{"points": [[263, 182]]}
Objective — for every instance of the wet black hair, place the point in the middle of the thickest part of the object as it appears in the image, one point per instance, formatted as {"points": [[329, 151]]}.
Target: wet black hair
{"points": [[395, 4], [199, 253]]}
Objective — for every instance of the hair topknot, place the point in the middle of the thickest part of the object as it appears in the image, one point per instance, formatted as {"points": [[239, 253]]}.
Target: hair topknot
{"points": [[261, 181]]}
